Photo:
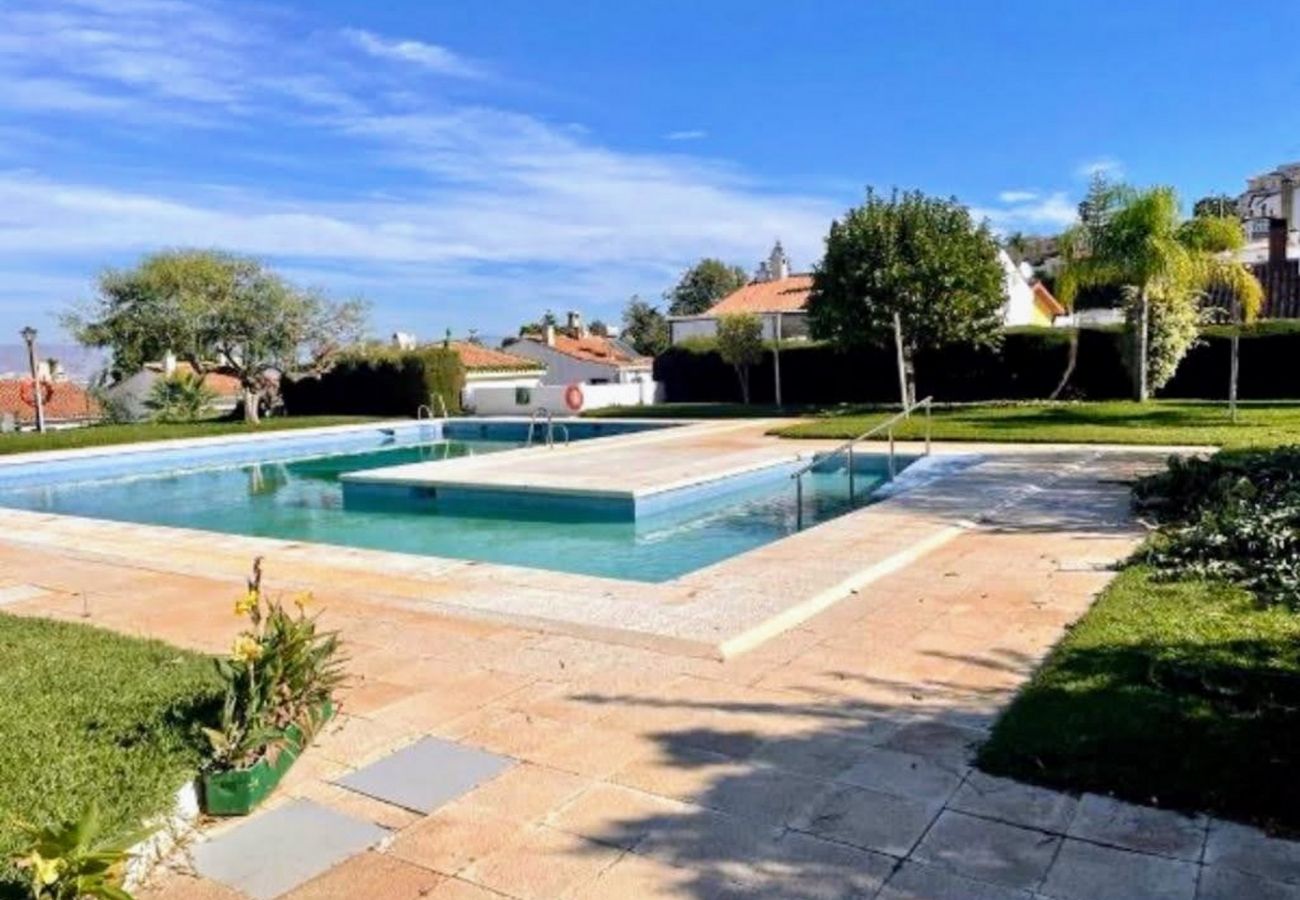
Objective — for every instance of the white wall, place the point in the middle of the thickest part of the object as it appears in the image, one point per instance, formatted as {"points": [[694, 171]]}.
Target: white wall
{"points": [[491, 400], [794, 325], [562, 369], [476, 383], [1019, 308]]}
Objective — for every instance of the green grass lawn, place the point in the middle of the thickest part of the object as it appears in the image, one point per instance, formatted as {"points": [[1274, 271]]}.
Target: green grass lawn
{"points": [[1119, 422], [99, 435], [1182, 694], [87, 714], [700, 411]]}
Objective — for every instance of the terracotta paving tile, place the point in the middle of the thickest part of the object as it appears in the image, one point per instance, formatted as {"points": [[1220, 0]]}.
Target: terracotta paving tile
{"points": [[614, 815], [364, 696], [369, 875], [685, 774], [454, 837], [543, 864], [525, 792], [593, 751], [174, 884]]}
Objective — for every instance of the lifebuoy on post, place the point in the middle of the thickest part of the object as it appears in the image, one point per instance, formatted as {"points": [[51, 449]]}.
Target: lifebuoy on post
{"points": [[27, 392], [573, 397]]}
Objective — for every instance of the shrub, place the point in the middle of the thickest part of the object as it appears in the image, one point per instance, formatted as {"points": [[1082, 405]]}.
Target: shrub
{"points": [[72, 860], [182, 397], [281, 672], [1235, 517], [380, 382]]}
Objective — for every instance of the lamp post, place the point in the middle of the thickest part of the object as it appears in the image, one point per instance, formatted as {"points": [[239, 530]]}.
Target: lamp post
{"points": [[29, 337]]}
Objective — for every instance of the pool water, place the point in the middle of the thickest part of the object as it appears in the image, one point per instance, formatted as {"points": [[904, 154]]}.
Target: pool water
{"points": [[302, 499]]}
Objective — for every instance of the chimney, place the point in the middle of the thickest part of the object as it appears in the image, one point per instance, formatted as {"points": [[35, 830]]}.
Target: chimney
{"points": [[169, 364], [548, 334], [1277, 242], [778, 264], [576, 326]]}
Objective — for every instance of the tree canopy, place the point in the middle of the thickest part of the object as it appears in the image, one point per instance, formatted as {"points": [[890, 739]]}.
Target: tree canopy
{"points": [[703, 285], [1219, 206], [216, 310], [740, 344], [644, 327], [921, 257]]}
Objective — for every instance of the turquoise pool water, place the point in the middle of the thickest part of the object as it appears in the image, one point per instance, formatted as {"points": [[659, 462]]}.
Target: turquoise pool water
{"points": [[302, 499]]}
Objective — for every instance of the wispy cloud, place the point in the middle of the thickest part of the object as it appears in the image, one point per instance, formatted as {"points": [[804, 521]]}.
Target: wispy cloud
{"points": [[1108, 166], [1017, 196], [690, 134], [1028, 211], [432, 57]]}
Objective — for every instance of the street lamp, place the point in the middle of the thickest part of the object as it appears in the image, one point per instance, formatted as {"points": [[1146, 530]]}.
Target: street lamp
{"points": [[29, 337]]}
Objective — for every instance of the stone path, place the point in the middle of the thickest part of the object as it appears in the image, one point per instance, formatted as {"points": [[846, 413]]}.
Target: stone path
{"points": [[832, 761]]}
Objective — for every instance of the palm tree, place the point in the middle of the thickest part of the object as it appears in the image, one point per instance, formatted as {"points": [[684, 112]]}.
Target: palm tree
{"points": [[1137, 240]]}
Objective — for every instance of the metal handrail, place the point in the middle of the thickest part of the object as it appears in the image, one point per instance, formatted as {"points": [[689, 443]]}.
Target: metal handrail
{"points": [[847, 446], [532, 422], [442, 404], [562, 427], [421, 410]]}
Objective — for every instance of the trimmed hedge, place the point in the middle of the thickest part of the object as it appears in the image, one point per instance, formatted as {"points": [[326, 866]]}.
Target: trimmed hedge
{"points": [[1027, 366], [380, 383]]}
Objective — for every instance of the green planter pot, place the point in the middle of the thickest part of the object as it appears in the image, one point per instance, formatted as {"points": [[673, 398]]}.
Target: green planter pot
{"points": [[237, 792]]}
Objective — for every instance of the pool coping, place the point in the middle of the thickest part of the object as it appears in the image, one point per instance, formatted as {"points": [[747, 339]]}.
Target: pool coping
{"points": [[717, 611]]}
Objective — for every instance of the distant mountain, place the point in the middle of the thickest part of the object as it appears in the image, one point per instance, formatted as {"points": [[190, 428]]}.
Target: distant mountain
{"points": [[80, 363]]}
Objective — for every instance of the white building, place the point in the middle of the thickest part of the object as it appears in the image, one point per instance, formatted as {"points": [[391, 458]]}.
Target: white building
{"points": [[1271, 205], [573, 355], [487, 369]]}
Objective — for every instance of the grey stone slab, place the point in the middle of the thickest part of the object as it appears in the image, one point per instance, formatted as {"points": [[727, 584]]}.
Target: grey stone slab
{"points": [[824, 756], [801, 867], [952, 745], [1219, 883], [1250, 850], [276, 851], [1084, 871], [1014, 802], [914, 881], [1141, 828], [426, 775], [989, 851], [867, 819], [903, 774], [767, 795]]}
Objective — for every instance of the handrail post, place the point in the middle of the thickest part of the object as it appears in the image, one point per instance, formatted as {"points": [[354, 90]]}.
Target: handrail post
{"points": [[892, 469], [798, 502], [928, 406], [851, 492]]}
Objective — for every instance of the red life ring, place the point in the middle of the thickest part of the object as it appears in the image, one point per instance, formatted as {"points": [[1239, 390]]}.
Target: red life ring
{"points": [[27, 392], [573, 397]]}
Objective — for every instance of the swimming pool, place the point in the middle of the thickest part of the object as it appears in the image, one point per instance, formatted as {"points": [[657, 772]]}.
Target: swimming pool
{"points": [[292, 489]]}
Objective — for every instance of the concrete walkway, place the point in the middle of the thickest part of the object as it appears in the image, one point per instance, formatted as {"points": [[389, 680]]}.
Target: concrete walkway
{"points": [[832, 761]]}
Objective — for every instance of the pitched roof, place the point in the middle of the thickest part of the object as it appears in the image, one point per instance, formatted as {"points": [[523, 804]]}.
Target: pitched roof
{"points": [[593, 348], [780, 295], [1043, 297], [68, 402], [477, 358], [221, 382]]}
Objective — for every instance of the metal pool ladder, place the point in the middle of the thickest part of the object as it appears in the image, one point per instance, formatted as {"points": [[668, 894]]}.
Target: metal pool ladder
{"points": [[847, 447], [550, 427]]}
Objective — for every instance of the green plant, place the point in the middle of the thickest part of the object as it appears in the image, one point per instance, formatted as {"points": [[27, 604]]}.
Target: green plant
{"points": [[72, 860], [180, 397], [281, 671], [1233, 517], [740, 344]]}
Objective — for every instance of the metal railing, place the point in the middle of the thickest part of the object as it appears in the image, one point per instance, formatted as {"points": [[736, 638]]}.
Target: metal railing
{"points": [[424, 408], [847, 447], [550, 427]]}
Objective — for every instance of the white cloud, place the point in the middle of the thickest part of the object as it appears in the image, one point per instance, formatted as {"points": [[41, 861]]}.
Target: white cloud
{"points": [[1108, 166], [690, 134], [427, 56], [1017, 196], [1052, 212]]}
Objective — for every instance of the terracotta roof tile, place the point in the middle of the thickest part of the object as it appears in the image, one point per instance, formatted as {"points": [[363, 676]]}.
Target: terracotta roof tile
{"points": [[1045, 299], [223, 383], [594, 348], [782, 295], [477, 358], [68, 402]]}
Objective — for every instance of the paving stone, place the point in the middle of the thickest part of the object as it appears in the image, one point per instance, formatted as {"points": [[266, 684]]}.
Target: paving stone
{"points": [[369, 875], [278, 850], [824, 756], [903, 774], [954, 745], [988, 851], [426, 775], [1084, 871], [1219, 883], [1014, 802], [867, 819], [542, 865], [698, 838], [1250, 850], [766, 795], [1141, 828], [800, 867], [914, 881]]}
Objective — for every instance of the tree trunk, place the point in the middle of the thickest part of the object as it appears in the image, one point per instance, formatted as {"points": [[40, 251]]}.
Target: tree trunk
{"points": [[1070, 362], [742, 373], [1143, 349], [251, 399]]}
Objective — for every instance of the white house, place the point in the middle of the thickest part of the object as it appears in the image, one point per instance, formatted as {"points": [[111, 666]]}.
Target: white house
{"points": [[1270, 207], [487, 369], [780, 300], [574, 355]]}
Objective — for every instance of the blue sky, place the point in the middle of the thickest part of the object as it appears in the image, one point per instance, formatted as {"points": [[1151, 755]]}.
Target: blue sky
{"points": [[468, 165]]}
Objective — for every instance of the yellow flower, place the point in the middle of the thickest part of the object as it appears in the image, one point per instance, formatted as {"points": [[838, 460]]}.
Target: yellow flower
{"points": [[246, 604], [45, 871], [246, 649], [303, 600]]}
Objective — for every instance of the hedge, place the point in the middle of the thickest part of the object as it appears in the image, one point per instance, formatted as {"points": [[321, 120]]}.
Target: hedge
{"points": [[1027, 366], [380, 383]]}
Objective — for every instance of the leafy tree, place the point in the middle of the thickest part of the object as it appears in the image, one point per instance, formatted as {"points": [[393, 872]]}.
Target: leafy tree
{"points": [[1164, 266], [644, 327], [922, 258], [216, 309], [703, 285], [1215, 206], [598, 328], [548, 318], [182, 397], [740, 344]]}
